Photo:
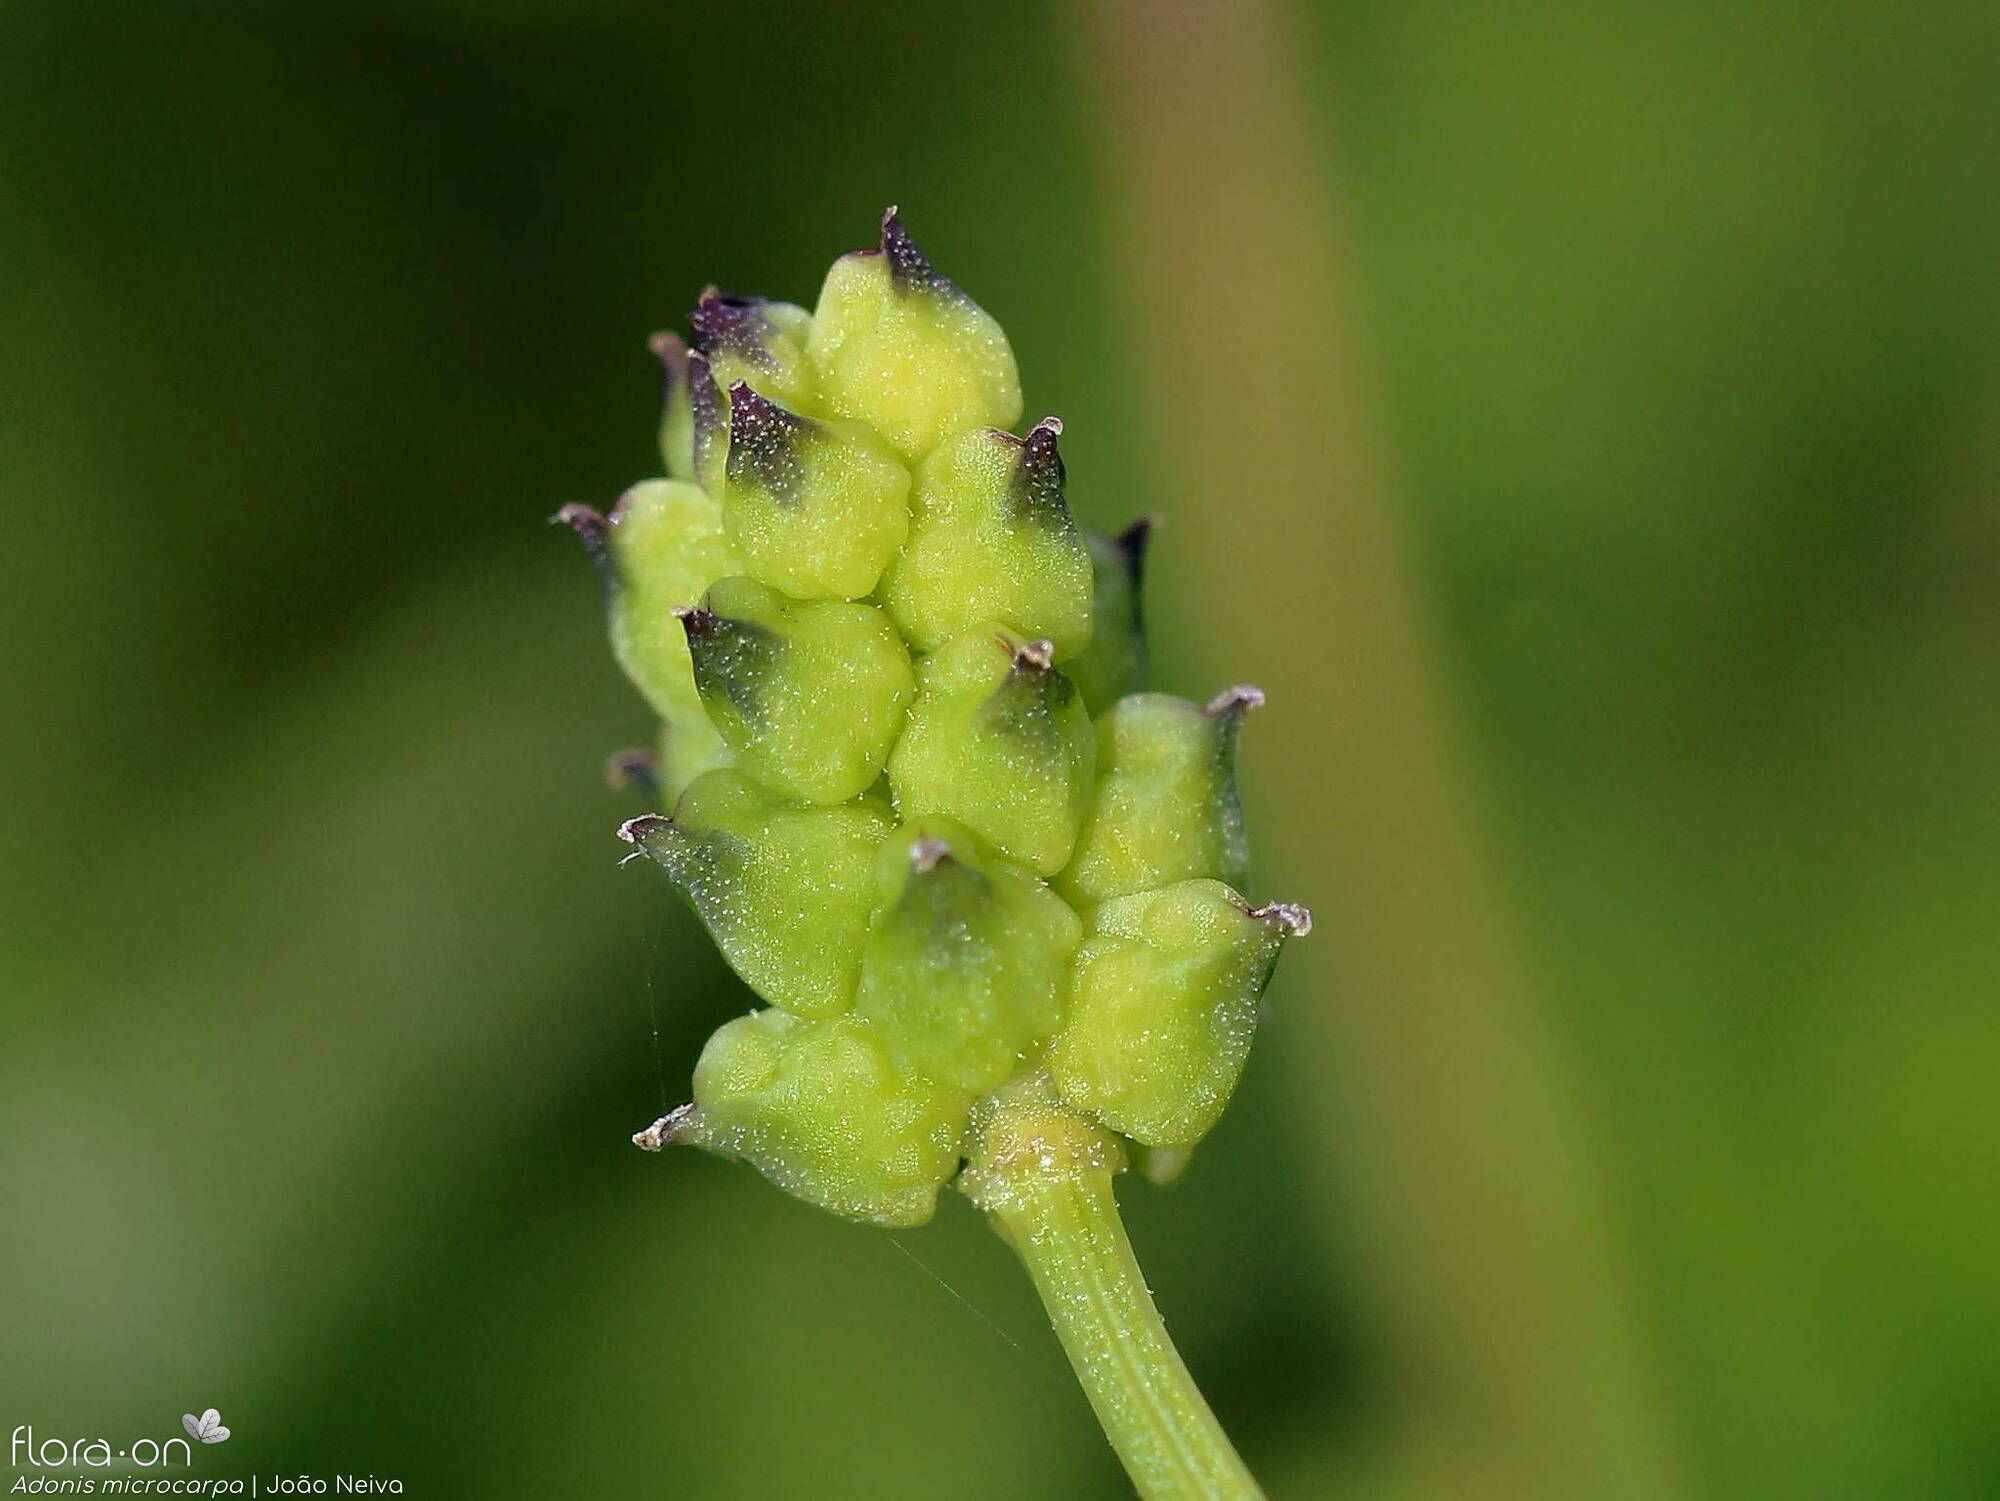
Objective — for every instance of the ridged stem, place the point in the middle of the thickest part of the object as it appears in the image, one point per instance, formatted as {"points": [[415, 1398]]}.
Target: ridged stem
{"points": [[1053, 1203]]}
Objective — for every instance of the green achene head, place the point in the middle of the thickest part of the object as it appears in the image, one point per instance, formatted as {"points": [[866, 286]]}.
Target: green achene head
{"points": [[676, 404], [1114, 664], [758, 342], [819, 1108], [662, 544], [991, 539], [1163, 1008], [1164, 808], [967, 961], [1000, 740], [909, 776], [818, 507], [809, 695], [738, 853], [900, 348]]}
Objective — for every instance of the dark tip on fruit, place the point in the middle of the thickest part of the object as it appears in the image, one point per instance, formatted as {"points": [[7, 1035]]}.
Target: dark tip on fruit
{"points": [[732, 659], [909, 269], [763, 442], [1133, 542], [637, 767], [906, 261], [665, 1131], [672, 353], [705, 406], [1227, 710], [668, 347], [594, 532], [927, 854], [1296, 921], [724, 322], [1039, 450], [587, 522], [700, 624], [1236, 701], [1031, 694], [647, 826], [751, 412], [1035, 491], [1036, 657], [648, 834], [704, 626]]}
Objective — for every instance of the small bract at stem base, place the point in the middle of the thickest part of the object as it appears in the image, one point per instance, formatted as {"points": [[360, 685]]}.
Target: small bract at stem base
{"points": [[1043, 1177]]}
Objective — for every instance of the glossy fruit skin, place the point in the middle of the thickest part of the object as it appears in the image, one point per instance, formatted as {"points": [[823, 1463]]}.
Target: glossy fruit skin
{"points": [[909, 779], [1163, 806], [818, 1108], [967, 963], [808, 695], [992, 541], [1163, 1009], [1000, 740]]}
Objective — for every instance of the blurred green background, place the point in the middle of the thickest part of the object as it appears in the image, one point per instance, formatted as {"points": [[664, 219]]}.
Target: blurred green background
{"points": [[327, 1010]]}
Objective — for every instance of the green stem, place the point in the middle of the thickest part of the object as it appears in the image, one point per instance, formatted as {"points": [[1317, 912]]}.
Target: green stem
{"points": [[1057, 1209]]}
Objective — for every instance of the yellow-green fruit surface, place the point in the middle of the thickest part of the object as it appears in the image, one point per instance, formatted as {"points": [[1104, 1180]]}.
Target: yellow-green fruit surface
{"points": [[1163, 1009], [906, 779], [991, 539], [785, 889], [668, 545], [899, 347], [967, 961], [817, 507], [808, 694], [1000, 740], [1164, 807], [818, 1108]]}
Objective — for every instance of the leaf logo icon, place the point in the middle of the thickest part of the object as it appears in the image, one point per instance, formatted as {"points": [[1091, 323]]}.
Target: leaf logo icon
{"points": [[208, 1427]]}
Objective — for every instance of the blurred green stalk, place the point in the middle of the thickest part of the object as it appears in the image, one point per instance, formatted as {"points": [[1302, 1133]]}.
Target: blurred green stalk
{"points": [[1432, 1100], [1043, 1177]]}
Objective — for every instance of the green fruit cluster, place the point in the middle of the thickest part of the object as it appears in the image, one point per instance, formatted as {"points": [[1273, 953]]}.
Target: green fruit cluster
{"points": [[915, 789]]}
